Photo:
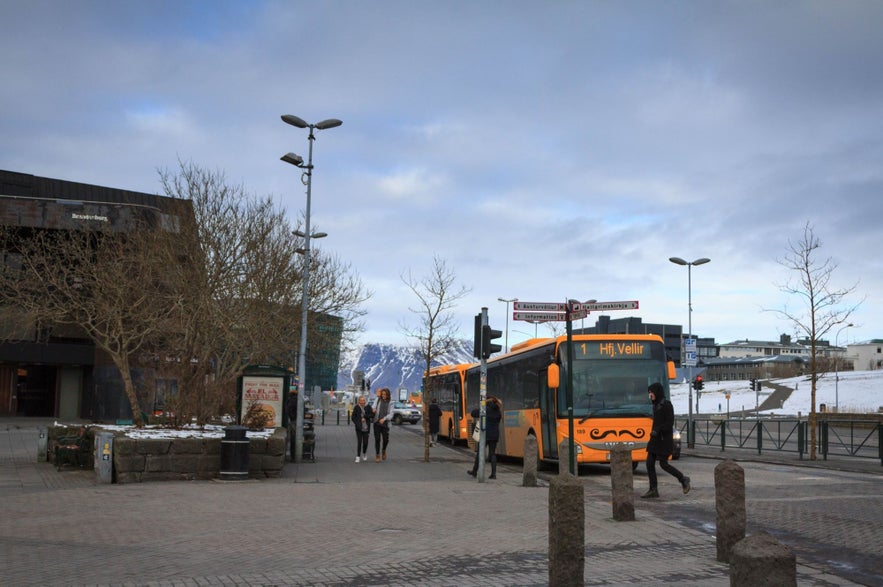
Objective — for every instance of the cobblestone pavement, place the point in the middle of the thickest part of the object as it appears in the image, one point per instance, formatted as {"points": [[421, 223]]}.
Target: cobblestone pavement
{"points": [[335, 522]]}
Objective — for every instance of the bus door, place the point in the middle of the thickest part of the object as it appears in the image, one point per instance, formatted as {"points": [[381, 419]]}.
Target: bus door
{"points": [[548, 421], [457, 411]]}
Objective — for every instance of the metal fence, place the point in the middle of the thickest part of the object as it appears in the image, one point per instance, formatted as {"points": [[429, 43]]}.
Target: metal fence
{"points": [[844, 438]]}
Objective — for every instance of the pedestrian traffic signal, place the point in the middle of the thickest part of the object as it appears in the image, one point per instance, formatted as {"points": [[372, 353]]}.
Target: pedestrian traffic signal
{"points": [[488, 348]]}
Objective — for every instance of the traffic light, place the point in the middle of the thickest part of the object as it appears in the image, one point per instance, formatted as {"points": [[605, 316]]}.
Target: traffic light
{"points": [[700, 385], [753, 384], [759, 385], [476, 340], [487, 347]]}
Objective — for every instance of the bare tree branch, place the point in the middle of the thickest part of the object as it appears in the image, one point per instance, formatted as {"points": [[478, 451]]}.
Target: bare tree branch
{"points": [[822, 307], [436, 331]]}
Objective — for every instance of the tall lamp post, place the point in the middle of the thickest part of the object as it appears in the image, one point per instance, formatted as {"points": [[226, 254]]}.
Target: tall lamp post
{"points": [[836, 370], [689, 264], [507, 318], [306, 179]]}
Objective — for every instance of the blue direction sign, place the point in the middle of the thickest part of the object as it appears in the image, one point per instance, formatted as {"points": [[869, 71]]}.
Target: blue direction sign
{"points": [[690, 352]]}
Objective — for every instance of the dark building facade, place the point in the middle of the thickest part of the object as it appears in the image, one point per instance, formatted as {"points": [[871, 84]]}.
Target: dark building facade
{"points": [[58, 372], [672, 335]]}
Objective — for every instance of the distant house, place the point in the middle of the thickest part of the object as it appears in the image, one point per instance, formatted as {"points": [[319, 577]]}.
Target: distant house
{"points": [[866, 356]]}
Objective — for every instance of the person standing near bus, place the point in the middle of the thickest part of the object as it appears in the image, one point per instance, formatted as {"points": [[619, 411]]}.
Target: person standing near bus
{"points": [[661, 442], [382, 415], [434, 421], [362, 416], [493, 416]]}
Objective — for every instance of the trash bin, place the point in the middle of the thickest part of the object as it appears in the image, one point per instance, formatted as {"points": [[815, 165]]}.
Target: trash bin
{"points": [[234, 453]]}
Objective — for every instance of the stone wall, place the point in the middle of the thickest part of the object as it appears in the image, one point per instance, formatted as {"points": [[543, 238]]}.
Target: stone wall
{"points": [[138, 460]]}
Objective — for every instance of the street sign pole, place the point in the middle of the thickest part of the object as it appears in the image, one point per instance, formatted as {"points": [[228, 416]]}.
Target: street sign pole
{"points": [[482, 390], [571, 444]]}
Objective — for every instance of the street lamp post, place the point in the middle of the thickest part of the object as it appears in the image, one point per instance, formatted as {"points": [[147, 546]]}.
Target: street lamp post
{"points": [[689, 264], [836, 369], [507, 318], [306, 179]]}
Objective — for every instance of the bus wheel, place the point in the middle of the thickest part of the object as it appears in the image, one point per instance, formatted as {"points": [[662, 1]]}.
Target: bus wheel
{"points": [[634, 465]]}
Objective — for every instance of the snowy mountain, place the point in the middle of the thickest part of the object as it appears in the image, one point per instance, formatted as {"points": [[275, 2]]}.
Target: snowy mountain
{"points": [[395, 367]]}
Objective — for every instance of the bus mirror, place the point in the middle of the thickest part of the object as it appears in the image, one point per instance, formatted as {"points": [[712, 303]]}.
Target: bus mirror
{"points": [[672, 374], [553, 376]]}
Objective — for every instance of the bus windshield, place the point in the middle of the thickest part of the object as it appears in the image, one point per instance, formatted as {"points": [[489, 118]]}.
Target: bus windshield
{"points": [[610, 388]]}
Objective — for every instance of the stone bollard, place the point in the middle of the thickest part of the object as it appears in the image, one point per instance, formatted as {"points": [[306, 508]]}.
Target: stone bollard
{"points": [[564, 457], [567, 532], [623, 484], [531, 457], [762, 560], [729, 500]]}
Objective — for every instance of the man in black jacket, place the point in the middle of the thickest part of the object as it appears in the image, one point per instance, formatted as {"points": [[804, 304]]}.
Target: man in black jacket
{"points": [[661, 442]]}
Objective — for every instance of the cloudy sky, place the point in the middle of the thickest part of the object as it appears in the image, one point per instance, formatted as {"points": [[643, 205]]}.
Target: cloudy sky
{"points": [[544, 150]]}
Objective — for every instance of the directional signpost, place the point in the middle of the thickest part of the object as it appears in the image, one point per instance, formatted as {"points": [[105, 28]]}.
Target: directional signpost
{"points": [[567, 312], [555, 312]]}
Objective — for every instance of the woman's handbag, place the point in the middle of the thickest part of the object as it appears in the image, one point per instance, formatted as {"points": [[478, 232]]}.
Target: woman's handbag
{"points": [[476, 433]]}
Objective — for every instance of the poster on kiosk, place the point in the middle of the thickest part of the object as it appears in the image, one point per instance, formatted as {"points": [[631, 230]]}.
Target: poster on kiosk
{"points": [[262, 392]]}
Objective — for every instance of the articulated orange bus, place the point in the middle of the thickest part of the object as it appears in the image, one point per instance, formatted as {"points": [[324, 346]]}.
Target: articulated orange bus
{"points": [[447, 386], [611, 373]]}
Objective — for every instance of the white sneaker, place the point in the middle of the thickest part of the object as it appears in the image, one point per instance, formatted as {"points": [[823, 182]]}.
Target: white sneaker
{"points": [[357, 459], [365, 458]]}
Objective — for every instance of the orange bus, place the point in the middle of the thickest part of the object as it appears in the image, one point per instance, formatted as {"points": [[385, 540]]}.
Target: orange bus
{"points": [[611, 373], [446, 384]]}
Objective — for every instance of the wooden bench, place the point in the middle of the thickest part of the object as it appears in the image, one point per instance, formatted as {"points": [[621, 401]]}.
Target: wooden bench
{"points": [[70, 449]]}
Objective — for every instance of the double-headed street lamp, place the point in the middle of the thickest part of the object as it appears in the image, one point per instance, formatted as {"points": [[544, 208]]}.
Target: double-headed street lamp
{"points": [[507, 318], [306, 235], [836, 370], [689, 264]]}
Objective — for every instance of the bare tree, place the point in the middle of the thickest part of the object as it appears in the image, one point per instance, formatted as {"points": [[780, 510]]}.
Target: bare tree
{"points": [[436, 331], [823, 307], [243, 290]]}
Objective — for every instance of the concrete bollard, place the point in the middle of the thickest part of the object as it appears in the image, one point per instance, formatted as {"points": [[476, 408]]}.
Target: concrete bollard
{"points": [[760, 559], [564, 457], [567, 532], [623, 484], [531, 458], [729, 500]]}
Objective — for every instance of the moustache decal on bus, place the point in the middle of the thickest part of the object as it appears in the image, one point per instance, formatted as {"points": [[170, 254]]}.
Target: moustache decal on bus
{"points": [[598, 435]]}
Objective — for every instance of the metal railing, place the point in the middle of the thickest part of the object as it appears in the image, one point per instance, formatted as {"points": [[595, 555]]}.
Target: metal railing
{"points": [[844, 438]]}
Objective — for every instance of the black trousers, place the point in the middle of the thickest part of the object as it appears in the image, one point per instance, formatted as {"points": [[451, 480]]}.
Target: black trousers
{"points": [[381, 432], [663, 462], [362, 441], [492, 456]]}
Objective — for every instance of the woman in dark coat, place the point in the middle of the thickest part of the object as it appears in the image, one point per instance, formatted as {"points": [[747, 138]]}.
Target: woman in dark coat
{"points": [[661, 442], [493, 416], [362, 417], [434, 421]]}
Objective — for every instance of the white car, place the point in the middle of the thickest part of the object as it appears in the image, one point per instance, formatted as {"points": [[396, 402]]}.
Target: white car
{"points": [[403, 412]]}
